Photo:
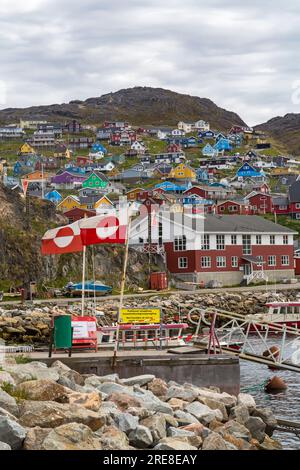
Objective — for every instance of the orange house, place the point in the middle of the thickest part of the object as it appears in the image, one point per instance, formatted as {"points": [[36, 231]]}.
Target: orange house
{"points": [[133, 193], [37, 175]]}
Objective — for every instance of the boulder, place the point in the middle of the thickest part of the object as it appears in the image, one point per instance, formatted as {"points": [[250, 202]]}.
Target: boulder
{"points": [[177, 404], [185, 418], [158, 387], [50, 414], [60, 366], [246, 400], [256, 427], [227, 400], [171, 421], [182, 393], [5, 377], [215, 405], [8, 403], [269, 444], [4, 446], [235, 429], [72, 436], [7, 414], [203, 413], [178, 432], [196, 428], [112, 387], [138, 380], [240, 444], [124, 401], [266, 414], [11, 433], [35, 438], [126, 422], [32, 371], [71, 375], [216, 442], [239, 413], [43, 390], [141, 413], [157, 426], [141, 437], [95, 380], [91, 401], [173, 443], [112, 438]]}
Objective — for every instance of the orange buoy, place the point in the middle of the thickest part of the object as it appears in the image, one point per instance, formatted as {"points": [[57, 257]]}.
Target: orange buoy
{"points": [[275, 384], [272, 353]]}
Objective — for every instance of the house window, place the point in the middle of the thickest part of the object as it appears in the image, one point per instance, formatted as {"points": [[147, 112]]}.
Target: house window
{"points": [[233, 240], [285, 239], [232, 208], [247, 245], [182, 262], [254, 208], [260, 260], [234, 261], [272, 260], [220, 242], [298, 205], [222, 208], [285, 260], [221, 262], [180, 243], [283, 208], [258, 239], [205, 262], [205, 242], [272, 239]]}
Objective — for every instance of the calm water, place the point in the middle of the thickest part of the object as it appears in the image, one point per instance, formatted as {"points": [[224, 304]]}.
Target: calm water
{"points": [[285, 404]]}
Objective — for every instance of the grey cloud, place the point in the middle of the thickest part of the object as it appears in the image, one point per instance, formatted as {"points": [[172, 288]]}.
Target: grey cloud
{"points": [[243, 55]]}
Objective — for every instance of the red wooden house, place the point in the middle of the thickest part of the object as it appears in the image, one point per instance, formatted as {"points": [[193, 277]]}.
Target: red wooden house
{"points": [[233, 207], [260, 203], [173, 148], [77, 214]]}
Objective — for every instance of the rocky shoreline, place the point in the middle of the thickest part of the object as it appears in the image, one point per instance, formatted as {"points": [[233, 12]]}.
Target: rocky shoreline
{"points": [[28, 324], [56, 408]]}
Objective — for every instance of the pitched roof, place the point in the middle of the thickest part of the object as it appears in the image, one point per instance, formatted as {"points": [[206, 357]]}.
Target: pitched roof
{"points": [[294, 192]]}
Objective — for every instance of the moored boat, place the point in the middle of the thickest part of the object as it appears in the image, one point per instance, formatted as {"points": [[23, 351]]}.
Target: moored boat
{"points": [[278, 314], [91, 288]]}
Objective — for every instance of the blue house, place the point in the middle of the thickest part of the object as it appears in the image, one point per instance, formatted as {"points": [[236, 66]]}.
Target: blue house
{"points": [[172, 187], [246, 171], [202, 175], [189, 142], [17, 170], [98, 147], [220, 136], [206, 135], [54, 197], [223, 144], [209, 151]]}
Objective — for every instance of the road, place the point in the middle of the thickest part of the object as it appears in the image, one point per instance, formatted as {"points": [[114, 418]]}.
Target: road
{"points": [[62, 301]]}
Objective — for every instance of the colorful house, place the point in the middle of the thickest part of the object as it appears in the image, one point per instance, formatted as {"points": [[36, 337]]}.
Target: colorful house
{"points": [[67, 180], [104, 203], [95, 180], [209, 151], [183, 171], [54, 197], [26, 148], [246, 171], [223, 145], [77, 213], [168, 186], [70, 202]]}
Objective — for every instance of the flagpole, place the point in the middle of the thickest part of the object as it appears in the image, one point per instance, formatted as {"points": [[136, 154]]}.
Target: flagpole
{"points": [[123, 280], [83, 280]]}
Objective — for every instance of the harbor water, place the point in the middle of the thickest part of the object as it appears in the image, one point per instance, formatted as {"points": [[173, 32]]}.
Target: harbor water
{"points": [[285, 404]]}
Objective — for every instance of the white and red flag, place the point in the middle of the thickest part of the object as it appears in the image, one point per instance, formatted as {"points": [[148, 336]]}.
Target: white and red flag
{"points": [[66, 239], [103, 229]]}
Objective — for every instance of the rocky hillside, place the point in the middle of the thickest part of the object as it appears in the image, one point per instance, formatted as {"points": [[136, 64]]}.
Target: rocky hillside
{"points": [[21, 261], [285, 130], [139, 105]]}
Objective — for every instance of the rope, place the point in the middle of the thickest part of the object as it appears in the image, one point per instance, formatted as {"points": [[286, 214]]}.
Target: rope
{"points": [[255, 388]]}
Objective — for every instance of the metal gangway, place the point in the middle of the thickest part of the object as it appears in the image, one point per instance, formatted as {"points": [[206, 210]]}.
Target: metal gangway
{"points": [[217, 330]]}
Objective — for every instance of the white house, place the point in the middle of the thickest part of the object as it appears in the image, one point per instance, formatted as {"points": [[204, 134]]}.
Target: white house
{"points": [[185, 126], [178, 133], [202, 125], [139, 147]]}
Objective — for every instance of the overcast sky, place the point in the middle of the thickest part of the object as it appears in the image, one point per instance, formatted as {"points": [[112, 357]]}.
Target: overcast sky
{"points": [[244, 55]]}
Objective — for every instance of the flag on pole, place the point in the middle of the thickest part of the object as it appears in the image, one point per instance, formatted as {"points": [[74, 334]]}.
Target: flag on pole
{"points": [[25, 184], [66, 239], [103, 230]]}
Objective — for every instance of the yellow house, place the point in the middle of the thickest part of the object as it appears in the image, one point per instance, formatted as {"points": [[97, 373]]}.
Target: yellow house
{"points": [[104, 202], [132, 194], [70, 202], [183, 171], [284, 171], [26, 148]]}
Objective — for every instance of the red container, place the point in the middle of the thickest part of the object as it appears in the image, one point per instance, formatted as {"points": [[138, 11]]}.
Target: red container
{"points": [[158, 281], [297, 266]]}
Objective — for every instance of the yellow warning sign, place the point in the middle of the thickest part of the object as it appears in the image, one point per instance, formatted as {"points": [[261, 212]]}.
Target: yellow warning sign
{"points": [[140, 315]]}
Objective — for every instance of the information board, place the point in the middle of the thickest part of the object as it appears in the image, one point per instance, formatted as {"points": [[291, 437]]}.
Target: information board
{"points": [[140, 315]]}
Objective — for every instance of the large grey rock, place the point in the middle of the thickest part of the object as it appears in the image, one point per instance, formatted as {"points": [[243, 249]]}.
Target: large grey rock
{"points": [[185, 418], [126, 422], [5, 377], [7, 402], [158, 387], [72, 436], [141, 437], [138, 380], [49, 414], [182, 393], [95, 380], [112, 387], [173, 443], [246, 400], [256, 427], [266, 414], [60, 366], [225, 398], [215, 405], [216, 442], [35, 438], [203, 413], [235, 429], [4, 446], [157, 425], [32, 371], [11, 433], [112, 438], [177, 432], [43, 390], [239, 413]]}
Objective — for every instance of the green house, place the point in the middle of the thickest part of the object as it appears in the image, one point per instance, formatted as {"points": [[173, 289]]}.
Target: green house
{"points": [[95, 180]]}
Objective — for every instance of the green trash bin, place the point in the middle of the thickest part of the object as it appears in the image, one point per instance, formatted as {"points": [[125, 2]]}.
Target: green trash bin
{"points": [[62, 333]]}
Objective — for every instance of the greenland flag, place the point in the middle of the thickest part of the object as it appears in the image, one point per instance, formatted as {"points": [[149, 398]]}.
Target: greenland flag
{"points": [[103, 229], [61, 240]]}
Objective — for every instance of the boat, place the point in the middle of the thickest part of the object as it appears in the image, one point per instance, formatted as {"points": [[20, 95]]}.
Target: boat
{"points": [[279, 314], [91, 288]]}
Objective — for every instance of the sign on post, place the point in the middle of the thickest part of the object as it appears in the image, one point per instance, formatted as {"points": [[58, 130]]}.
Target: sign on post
{"points": [[140, 315]]}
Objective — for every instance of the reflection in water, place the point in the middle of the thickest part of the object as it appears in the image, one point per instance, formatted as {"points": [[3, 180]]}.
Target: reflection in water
{"points": [[285, 404]]}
